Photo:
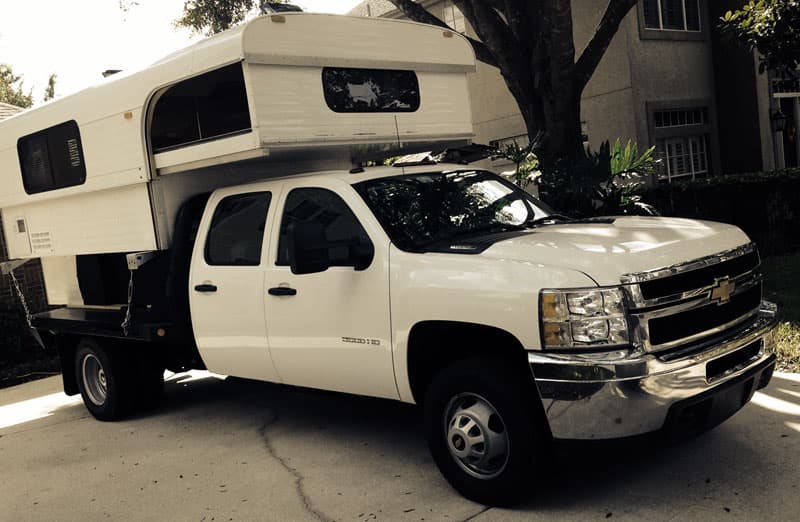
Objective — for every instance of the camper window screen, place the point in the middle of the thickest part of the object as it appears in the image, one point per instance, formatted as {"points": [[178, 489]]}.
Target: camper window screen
{"points": [[52, 159], [206, 107], [370, 90], [237, 230]]}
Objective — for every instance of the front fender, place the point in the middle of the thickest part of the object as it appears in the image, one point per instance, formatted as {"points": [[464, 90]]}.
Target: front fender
{"points": [[501, 293]]}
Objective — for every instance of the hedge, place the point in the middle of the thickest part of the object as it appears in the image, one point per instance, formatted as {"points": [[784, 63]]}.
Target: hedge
{"points": [[765, 205]]}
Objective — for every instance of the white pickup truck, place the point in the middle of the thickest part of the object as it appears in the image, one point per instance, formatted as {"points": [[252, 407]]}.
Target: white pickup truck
{"points": [[211, 212], [452, 288]]}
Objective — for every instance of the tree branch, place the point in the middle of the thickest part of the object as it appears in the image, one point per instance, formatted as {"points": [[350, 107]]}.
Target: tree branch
{"points": [[493, 32], [417, 13], [597, 46]]}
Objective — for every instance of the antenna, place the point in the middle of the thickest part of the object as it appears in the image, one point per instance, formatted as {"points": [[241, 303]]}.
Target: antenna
{"points": [[399, 145]]}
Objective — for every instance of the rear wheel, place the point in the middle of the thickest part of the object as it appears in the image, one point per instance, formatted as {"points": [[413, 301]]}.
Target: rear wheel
{"points": [[116, 378], [101, 381], [485, 430]]}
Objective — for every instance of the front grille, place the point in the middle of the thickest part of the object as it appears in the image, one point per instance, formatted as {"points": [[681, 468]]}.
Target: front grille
{"points": [[680, 325], [699, 278]]}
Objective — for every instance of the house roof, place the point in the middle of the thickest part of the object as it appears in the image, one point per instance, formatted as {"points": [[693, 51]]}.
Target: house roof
{"points": [[372, 8], [7, 110]]}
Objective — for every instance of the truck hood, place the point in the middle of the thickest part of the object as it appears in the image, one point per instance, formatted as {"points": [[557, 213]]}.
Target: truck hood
{"points": [[606, 249]]}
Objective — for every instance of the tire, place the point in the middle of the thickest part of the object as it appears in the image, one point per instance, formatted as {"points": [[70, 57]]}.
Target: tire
{"points": [[485, 430], [102, 380]]}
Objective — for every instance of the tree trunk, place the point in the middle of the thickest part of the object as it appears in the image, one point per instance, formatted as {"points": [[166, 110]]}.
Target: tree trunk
{"points": [[563, 139]]}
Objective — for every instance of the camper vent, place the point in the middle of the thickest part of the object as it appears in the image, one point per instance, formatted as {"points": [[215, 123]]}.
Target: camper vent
{"points": [[40, 242]]}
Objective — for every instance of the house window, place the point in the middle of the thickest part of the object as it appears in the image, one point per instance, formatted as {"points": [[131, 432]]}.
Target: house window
{"points": [[680, 117], [684, 156], [672, 15], [52, 158], [210, 106], [370, 90], [682, 141], [454, 18]]}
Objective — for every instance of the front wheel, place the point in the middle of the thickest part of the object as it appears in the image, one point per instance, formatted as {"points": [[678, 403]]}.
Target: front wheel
{"points": [[485, 431]]}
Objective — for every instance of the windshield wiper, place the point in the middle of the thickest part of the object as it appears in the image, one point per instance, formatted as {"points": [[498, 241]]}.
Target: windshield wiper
{"points": [[496, 228], [552, 219]]}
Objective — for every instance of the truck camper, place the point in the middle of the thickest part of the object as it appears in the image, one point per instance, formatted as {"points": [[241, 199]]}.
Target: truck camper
{"points": [[212, 211]]}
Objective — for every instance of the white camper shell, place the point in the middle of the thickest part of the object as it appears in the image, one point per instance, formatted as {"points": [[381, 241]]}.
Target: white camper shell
{"points": [[106, 170]]}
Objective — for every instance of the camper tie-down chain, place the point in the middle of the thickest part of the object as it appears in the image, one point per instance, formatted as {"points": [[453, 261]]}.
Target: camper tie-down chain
{"points": [[22, 299], [135, 261], [127, 322], [7, 268]]}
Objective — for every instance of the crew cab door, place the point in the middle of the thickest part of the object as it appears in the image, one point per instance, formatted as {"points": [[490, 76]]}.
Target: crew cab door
{"points": [[330, 328], [226, 285]]}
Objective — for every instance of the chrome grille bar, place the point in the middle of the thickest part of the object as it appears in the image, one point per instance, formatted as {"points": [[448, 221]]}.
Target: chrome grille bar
{"points": [[726, 287]]}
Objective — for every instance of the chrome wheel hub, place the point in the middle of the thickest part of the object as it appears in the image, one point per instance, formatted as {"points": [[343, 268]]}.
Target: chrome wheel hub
{"points": [[94, 379], [476, 436]]}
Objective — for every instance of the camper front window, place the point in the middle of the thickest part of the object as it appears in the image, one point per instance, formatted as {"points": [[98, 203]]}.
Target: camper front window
{"points": [[210, 106], [52, 158]]}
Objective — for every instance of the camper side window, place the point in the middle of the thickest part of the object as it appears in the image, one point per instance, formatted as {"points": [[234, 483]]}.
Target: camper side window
{"points": [[206, 107], [370, 90], [237, 230], [52, 158]]}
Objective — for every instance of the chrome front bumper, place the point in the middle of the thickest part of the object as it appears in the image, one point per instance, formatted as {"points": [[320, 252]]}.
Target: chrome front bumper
{"points": [[626, 392]]}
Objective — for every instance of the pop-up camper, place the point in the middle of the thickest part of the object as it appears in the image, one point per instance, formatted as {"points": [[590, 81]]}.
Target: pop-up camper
{"points": [[106, 170]]}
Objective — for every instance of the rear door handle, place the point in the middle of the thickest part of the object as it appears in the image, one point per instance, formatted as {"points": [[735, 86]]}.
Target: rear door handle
{"points": [[205, 288], [282, 291]]}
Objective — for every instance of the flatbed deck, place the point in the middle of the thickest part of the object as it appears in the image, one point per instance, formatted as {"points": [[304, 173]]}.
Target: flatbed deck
{"points": [[145, 326]]}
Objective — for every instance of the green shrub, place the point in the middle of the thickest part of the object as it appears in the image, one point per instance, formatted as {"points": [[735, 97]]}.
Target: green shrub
{"points": [[765, 205], [602, 183]]}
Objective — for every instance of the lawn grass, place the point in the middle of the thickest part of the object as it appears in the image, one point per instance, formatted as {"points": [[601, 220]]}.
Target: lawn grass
{"points": [[782, 286]]}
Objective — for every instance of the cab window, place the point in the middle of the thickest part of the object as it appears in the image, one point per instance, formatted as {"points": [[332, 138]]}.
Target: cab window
{"points": [[323, 207], [237, 230]]}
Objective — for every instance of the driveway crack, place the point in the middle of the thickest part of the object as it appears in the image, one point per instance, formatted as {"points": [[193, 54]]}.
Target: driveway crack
{"points": [[299, 479], [479, 513]]}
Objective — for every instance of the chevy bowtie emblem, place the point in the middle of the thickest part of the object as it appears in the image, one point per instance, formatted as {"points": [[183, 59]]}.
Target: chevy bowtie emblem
{"points": [[722, 291]]}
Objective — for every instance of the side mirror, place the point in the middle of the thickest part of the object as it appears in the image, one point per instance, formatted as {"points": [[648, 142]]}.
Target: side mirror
{"points": [[309, 251], [361, 254]]}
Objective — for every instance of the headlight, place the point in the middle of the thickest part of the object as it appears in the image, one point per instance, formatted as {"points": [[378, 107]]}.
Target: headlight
{"points": [[583, 318]]}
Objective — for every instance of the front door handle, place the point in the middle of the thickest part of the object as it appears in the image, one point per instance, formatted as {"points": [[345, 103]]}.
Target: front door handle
{"points": [[205, 288], [282, 291]]}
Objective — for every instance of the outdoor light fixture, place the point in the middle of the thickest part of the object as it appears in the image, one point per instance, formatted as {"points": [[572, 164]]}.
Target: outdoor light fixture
{"points": [[779, 120]]}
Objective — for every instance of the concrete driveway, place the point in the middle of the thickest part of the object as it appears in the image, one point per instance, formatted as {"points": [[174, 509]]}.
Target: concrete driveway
{"points": [[237, 450]]}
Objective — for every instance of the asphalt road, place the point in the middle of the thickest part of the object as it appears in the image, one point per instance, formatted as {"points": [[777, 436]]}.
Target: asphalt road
{"points": [[237, 450]]}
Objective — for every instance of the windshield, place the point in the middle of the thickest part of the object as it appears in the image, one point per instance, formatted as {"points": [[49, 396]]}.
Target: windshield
{"points": [[421, 210]]}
